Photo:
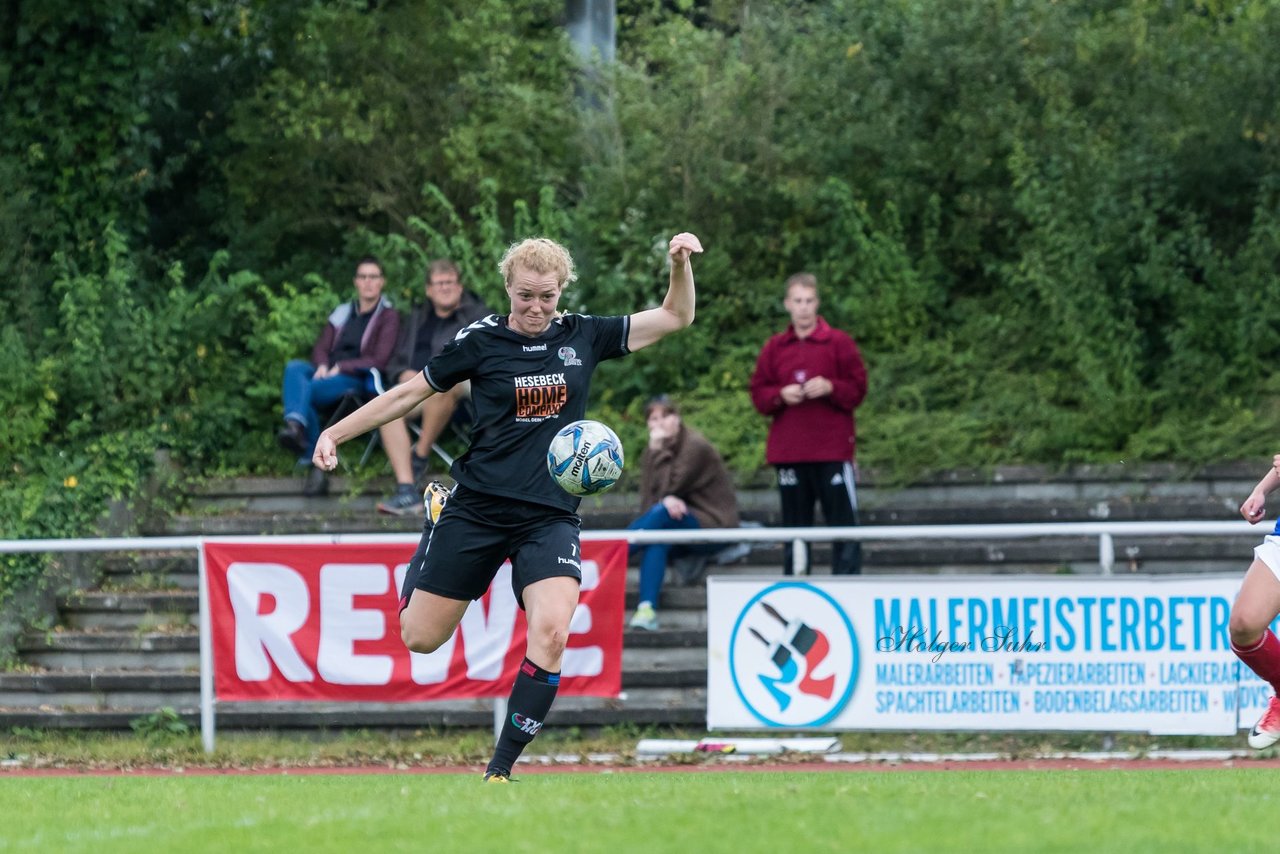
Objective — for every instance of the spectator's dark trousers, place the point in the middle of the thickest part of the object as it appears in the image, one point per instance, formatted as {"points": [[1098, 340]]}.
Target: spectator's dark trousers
{"points": [[801, 486]]}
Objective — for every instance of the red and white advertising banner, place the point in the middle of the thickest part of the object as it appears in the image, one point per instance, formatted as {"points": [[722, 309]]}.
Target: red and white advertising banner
{"points": [[320, 622]]}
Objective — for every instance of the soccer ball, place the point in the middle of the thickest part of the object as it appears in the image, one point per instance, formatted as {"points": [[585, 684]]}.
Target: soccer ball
{"points": [[585, 457]]}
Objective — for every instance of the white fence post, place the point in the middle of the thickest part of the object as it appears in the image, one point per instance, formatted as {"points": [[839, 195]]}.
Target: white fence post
{"points": [[1106, 553], [799, 557], [207, 722]]}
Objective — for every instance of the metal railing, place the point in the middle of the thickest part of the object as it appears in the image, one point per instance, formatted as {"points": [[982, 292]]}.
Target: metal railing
{"points": [[1104, 531]]}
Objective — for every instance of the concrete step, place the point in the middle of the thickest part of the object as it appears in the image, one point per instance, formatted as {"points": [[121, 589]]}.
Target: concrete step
{"points": [[300, 522], [1078, 555], [80, 650], [641, 706], [346, 521], [128, 613], [70, 650], [107, 689], [1081, 510], [99, 690], [142, 571], [142, 611], [1004, 493], [665, 637]]}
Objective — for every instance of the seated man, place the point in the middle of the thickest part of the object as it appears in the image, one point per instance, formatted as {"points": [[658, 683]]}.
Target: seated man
{"points": [[683, 484], [448, 309], [358, 336]]}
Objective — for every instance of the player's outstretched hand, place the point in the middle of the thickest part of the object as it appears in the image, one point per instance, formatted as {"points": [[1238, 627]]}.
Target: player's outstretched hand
{"points": [[682, 246], [326, 456]]}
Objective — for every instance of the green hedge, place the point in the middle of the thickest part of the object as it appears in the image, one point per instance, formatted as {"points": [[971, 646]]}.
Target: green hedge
{"points": [[1053, 228]]}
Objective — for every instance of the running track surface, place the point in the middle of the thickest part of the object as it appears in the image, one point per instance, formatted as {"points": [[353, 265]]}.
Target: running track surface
{"points": [[710, 767]]}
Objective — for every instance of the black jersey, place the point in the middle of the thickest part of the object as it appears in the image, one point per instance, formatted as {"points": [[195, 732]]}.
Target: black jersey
{"points": [[524, 390]]}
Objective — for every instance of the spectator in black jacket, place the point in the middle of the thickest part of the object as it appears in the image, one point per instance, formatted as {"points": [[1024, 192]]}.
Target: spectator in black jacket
{"points": [[448, 309]]}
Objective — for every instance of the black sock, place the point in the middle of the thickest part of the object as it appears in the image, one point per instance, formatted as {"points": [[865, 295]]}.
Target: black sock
{"points": [[411, 574], [531, 699]]}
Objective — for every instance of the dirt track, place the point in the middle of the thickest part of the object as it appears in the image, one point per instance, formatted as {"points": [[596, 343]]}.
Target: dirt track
{"points": [[533, 769]]}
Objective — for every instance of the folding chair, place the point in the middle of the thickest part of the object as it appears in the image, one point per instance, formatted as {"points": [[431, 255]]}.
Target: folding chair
{"points": [[353, 400], [459, 424]]}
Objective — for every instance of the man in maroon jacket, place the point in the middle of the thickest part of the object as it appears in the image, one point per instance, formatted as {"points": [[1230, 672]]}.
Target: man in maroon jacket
{"points": [[809, 379]]}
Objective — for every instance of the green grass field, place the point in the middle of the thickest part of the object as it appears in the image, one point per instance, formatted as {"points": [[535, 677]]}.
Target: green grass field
{"points": [[731, 811]]}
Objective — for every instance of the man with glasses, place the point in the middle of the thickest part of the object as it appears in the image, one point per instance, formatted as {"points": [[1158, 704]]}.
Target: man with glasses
{"points": [[449, 309]]}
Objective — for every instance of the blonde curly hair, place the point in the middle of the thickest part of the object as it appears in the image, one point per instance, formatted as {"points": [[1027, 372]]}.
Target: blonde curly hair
{"points": [[538, 255]]}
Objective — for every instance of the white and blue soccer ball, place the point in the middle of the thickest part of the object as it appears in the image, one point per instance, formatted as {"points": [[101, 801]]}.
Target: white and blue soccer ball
{"points": [[585, 457]]}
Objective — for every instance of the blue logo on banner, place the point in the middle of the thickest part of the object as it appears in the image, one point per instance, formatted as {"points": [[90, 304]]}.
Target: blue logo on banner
{"points": [[793, 656]]}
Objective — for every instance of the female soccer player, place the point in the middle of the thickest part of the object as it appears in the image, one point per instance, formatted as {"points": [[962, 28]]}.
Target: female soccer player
{"points": [[530, 374], [1256, 607]]}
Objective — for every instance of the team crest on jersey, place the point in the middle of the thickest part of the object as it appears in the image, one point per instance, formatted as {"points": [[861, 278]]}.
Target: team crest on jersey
{"points": [[569, 356]]}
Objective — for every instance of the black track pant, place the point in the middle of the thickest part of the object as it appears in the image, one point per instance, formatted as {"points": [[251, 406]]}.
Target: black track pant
{"points": [[801, 486]]}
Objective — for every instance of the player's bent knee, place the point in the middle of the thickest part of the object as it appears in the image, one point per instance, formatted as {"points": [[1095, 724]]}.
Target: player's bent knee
{"points": [[1246, 629], [422, 645], [417, 640]]}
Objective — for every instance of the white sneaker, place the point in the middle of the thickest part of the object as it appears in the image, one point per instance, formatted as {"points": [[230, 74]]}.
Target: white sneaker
{"points": [[646, 618], [1266, 731]]}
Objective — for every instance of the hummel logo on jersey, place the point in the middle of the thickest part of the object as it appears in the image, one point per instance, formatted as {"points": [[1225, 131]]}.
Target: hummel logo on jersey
{"points": [[536, 348], [526, 724], [836, 480]]}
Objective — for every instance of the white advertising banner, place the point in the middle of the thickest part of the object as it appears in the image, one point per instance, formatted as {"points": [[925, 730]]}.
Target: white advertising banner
{"points": [[1146, 654]]}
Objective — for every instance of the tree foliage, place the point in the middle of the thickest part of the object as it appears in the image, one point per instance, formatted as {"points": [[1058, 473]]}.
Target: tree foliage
{"points": [[1054, 228]]}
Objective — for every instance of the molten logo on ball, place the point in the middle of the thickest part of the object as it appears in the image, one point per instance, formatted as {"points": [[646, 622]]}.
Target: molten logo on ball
{"points": [[585, 457]]}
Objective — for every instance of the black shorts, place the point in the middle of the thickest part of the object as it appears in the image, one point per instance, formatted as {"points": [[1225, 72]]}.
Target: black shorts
{"points": [[476, 532]]}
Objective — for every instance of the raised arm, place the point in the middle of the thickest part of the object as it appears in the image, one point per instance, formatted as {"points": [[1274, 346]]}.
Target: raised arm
{"points": [[676, 311], [1255, 506], [383, 409]]}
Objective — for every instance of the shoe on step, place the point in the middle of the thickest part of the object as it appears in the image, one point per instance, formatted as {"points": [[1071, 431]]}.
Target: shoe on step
{"points": [[316, 484], [645, 617], [293, 438], [405, 502]]}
